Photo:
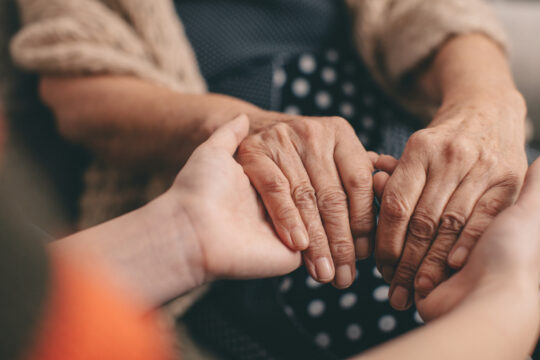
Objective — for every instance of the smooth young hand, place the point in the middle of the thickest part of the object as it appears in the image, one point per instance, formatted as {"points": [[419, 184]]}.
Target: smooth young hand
{"points": [[233, 237]]}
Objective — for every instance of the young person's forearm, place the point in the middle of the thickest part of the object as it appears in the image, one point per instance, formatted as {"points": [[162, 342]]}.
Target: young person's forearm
{"points": [[152, 263], [133, 121], [499, 324]]}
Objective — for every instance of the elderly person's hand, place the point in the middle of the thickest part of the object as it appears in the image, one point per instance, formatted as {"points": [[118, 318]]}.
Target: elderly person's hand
{"points": [[315, 179], [506, 256], [454, 177]]}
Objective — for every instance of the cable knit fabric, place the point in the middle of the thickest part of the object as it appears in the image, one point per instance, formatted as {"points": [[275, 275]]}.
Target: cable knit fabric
{"points": [[146, 39]]}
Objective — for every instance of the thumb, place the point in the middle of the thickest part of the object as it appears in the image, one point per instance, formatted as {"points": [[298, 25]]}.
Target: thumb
{"points": [[229, 136], [529, 198]]}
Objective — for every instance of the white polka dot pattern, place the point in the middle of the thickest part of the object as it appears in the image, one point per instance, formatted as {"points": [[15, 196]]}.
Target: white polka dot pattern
{"points": [[316, 308], [301, 87], [322, 340], [348, 300], [353, 332], [387, 323], [307, 64], [329, 75], [286, 284], [381, 293], [311, 283]]}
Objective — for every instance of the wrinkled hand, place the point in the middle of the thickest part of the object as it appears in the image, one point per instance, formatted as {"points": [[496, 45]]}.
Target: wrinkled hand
{"points": [[508, 254], [234, 237], [452, 180], [314, 177]]}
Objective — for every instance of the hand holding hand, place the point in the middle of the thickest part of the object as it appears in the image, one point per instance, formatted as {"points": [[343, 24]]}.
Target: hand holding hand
{"points": [[314, 178], [234, 239], [506, 256], [452, 180]]}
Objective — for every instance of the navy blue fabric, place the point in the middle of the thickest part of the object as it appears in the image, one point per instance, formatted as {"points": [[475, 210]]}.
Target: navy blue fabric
{"points": [[238, 43]]}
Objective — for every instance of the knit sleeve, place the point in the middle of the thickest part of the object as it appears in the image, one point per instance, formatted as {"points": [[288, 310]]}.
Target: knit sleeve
{"points": [[80, 37], [396, 36]]}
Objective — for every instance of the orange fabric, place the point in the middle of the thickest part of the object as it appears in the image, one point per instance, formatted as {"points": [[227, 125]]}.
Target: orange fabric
{"points": [[85, 319]]}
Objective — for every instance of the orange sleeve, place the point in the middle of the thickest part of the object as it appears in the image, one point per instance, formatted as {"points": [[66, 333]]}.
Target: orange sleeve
{"points": [[86, 319]]}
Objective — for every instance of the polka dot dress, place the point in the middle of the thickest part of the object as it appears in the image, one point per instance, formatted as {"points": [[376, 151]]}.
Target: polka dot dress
{"points": [[344, 322], [331, 85]]}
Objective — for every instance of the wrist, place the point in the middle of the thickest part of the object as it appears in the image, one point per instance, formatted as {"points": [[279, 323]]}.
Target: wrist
{"points": [[186, 269]]}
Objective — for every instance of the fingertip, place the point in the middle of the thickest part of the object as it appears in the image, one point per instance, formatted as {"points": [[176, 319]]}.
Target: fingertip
{"points": [[373, 157], [458, 257], [299, 238], [386, 163], [230, 135], [379, 183]]}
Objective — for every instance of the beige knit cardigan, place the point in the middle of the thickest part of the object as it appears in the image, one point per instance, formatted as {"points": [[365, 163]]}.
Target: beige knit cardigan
{"points": [[145, 39]]}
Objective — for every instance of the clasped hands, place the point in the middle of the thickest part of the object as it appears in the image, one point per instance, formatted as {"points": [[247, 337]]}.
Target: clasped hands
{"points": [[315, 191], [315, 179]]}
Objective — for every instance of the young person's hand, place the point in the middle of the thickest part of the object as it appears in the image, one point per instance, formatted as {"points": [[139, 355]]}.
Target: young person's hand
{"points": [[315, 179], [507, 256], [232, 236]]}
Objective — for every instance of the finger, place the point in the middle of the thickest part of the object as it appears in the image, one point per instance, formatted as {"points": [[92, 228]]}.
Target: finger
{"points": [[434, 267], [495, 200], [386, 163], [355, 171], [230, 135], [333, 208], [318, 256], [274, 189], [399, 200], [422, 230], [373, 157], [379, 183]]}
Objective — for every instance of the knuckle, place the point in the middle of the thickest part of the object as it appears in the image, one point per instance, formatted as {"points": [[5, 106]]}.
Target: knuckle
{"points": [[510, 179], [405, 272], [274, 184], [421, 139], [472, 233], [492, 206], [317, 241], [422, 226], [452, 223], [457, 150], [331, 200], [436, 258], [284, 214], [490, 160], [337, 121], [304, 196], [388, 254], [393, 207], [360, 185], [362, 223], [342, 251], [248, 151]]}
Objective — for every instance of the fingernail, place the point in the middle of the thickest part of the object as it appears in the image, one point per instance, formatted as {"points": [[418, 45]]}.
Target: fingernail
{"points": [[362, 248], [343, 276], [425, 284], [323, 269], [400, 298], [459, 256], [299, 238], [388, 273]]}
